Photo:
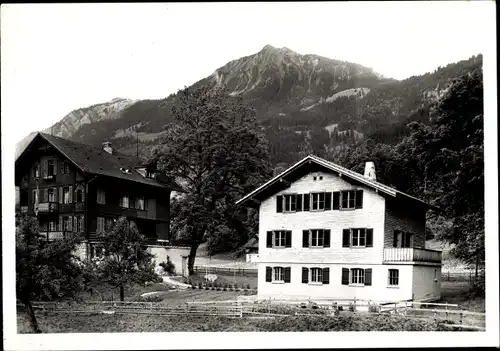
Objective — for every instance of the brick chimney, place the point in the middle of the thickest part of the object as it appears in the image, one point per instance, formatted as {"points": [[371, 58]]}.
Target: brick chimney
{"points": [[106, 146], [370, 170]]}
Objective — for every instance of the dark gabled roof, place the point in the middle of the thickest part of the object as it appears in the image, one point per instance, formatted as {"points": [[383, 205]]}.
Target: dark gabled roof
{"points": [[94, 160], [253, 243], [279, 182]]}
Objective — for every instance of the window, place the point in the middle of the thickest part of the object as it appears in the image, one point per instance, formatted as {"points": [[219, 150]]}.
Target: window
{"points": [[402, 239], [348, 199], [51, 195], [393, 277], [357, 276], [66, 168], [357, 237], [35, 196], [290, 203], [316, 275], [36, 172], [79, 195], [79, 224], [316, 238], [101, 196], [279, 239], [278, 274], [139, 203], [100, 225], [318, 201], [52, 226], [66, 223], [314, 178], [51, 167], [109, 223], [66, 195], [124, 201], [150, 174]]}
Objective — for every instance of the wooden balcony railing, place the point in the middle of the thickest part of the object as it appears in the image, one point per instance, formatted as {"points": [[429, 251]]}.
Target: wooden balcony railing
{"points": [[48, 207], [49, 236], [404, 254]]}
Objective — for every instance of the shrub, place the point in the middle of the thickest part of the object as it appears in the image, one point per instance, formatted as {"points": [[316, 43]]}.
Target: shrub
{"points": [[168, 266], [374, 308], [200, 285], [352, 308], [151, 298], [235, 286], [248, 286]]}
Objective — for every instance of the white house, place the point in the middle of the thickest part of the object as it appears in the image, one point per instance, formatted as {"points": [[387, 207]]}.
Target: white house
{"points": [[330, 233]]}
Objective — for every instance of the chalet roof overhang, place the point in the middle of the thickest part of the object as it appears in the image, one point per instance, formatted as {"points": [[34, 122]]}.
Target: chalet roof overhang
{"points": [[162, 182], [311, 164]]}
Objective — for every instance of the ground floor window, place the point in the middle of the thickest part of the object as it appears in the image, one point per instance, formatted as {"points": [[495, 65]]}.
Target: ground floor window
{"points": [[316, 275], [357, 276], [393, 277], [52, 226], [278, 274]]}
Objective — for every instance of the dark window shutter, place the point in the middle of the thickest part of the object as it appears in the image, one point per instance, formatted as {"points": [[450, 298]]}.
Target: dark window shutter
{"points": [[326, 238], [368, 276], [279, 203], [369, 237], [395, 239], [336, 200], [299, 203], [288, 238], [326, 275], [359, 198], [306, 201], [346, 238], [269, 274], [328, 201], [269, 242], [305, 275], [305, 238], [345, 276], [287, 274]]}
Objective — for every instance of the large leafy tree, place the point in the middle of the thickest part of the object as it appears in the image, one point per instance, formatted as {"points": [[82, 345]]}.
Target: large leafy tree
{"points": [[44, 270], [126, 258], [216, 149]]}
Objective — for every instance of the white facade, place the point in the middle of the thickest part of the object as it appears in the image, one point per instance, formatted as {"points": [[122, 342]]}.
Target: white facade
{"points": [[413, 280]]}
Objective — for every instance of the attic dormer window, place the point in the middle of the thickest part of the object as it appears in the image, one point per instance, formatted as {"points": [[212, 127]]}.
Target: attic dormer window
{"points": [[150, 174]]}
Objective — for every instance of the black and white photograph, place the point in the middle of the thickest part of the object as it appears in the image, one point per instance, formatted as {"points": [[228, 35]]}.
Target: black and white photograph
{"points": [[249, 175]]}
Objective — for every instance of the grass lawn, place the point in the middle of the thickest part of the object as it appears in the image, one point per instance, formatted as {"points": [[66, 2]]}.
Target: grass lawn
{"points": [[88, 323], [460, 293]]}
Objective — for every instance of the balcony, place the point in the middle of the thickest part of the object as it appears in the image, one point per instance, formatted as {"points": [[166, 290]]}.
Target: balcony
{"points": [[48, 207], [50, 236], [403, 254]]}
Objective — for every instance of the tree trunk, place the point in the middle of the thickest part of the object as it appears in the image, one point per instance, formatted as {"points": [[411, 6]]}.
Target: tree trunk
{"points": [[191, 258], [122, 293], [32, 317]]}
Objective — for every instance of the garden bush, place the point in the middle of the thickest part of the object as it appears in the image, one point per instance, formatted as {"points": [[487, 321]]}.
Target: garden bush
{"points": [[168, 266], [151, 298]]}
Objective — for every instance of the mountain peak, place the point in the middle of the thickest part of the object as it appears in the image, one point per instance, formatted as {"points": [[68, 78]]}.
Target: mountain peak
{"points": [[270, 48]]}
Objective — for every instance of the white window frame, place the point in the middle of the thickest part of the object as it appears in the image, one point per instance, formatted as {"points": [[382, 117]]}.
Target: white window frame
{"points": [[65, 224], [291, 206], [101, 196], [103, 221], [79, 190], [37, 171], [316, 276], [66, 168], [122, 201], [278, 275], [51, 195], [52, 226], [137, 203], [358, 233], [320, 234], [357, 276], [280, 237], [318, 201], [66, 198], [349, 199], [391, 279]]}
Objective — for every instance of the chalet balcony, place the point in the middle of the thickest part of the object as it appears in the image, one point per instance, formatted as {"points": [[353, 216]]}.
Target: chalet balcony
{"points": [[406, 254], [48, 207], [57, 235]]}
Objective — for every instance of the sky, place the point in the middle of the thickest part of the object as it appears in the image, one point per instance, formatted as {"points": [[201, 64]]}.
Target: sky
{"points": [[60, 57]]}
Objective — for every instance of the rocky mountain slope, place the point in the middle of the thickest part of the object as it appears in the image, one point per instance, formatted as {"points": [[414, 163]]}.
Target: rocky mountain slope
{"points": [[307, 103]]}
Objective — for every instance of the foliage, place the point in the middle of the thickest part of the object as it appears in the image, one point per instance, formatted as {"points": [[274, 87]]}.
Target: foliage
{"points": [[126, 259], [168, 266], [44, 270], [151, 298], [215, 149]]}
